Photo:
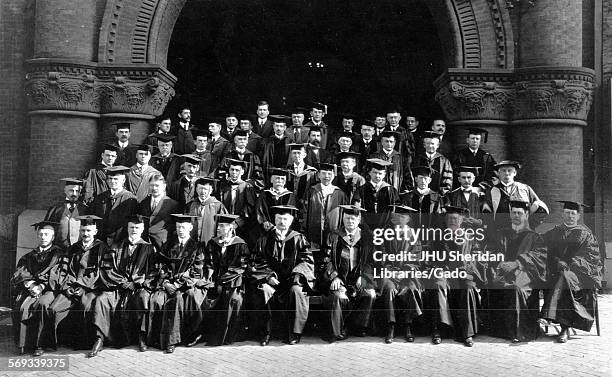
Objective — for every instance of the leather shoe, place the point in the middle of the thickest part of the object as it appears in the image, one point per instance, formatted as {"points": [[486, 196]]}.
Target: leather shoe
{"points": [[170, 349], [515, 340], [338, 338], [436, 338], [409, 335], [294, 339], [469, 342], [142, 344], [390, 334], [564, 336], [97, 347], [38, 352], [264, 341], [194, 341]]}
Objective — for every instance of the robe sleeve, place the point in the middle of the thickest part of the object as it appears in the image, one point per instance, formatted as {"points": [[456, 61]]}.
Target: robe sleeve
{"points": [[22, 274], [234, 273], [304, 264], [533, 260], [586, 263], [446, 183], [258, 265], [331, 272]]}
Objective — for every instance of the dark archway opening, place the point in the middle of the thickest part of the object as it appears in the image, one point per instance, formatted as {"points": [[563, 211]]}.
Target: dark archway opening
{"points": [[354, 55]]}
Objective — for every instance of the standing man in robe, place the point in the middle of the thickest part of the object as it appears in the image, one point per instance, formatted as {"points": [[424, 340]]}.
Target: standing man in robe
{"points": [[238, 151], [301, 177], [217, 145], [208, 162], [31, 291], [67, 212], [317, 112], [226, 260], [183, 132], [322, 212], [114, 205], [274, 196], [254, 142], [467, 196], [94, 182], [298, 133], [139, 175], [427, 202], [126, 154], [473, 155], [276, 146], [157, 208], [283, 268], [399, 174], [183, 190], [376, 195], [574, 270], [163, 129], [348, 180], [442, 176], [349, 272], [513, 295], [365, 144], [166, 162], [204, 207]]}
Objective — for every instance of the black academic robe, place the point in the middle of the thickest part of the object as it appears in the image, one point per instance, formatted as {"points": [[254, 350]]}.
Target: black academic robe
{"points": [[265, 130], [94, 183], [473, 204], [376, 202], [275, 152], [208, 163], [217, 149], [253, 171], [205, 225], [442, 176], [324, 132], [350, 185], [113, 209], [265, 201], [170, 166], [67, 232], [300, 183], [405, 143], [243, 206], [255, 144], [137, 180], [225, 263], [429, 207], [322, 213], [482, 159], [33, 269], [399, 174], [160, 225], [125, 156], [176, 317], [365, 150], [570, 297], [182, 191], [516, 291], [316, 156]]}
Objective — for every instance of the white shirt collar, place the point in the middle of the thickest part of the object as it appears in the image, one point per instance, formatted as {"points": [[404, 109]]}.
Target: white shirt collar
{"points": [[122, 144], [423, 191]]}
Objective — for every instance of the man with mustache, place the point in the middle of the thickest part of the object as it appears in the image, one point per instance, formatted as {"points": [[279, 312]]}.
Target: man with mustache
{"points": [[67, 212]]}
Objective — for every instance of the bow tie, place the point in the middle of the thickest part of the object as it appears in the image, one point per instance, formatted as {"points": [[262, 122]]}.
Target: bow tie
{"points": [[468, 191]]}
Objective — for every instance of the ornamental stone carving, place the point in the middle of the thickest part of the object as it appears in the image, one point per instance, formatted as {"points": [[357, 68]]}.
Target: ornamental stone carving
{"points": [[98, 89], [517, 96]]}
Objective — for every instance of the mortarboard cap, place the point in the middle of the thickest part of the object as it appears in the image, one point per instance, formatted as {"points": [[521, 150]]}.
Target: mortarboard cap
{"points": [[314, 128], [367, 122], [43, 224], [572, 205], [393, 110], [278, 171], [422, 170], [144, 147], [192, 159], [346, 116], [479, 131], [205, 181], [137, 219], [299, 110], [241, 133], [327, 167], [165, 138], [319, 106], [351, 209], [88, 220], [180, 218], [455, 209], [397, 208], [72, 181], [343, 155], [122, 125], [297, 146], [520, 204], [378, 164], [110, 147], [516, 164], [281, 210], [231, 115], [226, 219], [345, 134], [279, 118], [468, 169], [234, 162], [200, 132], [116, 170]]}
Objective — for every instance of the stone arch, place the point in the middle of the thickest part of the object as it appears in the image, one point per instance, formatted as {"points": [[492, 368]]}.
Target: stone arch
{"points": [[474, 33]]}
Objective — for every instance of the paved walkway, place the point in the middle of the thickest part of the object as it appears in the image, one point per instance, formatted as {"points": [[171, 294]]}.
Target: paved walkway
{"points": [[584, 355]]}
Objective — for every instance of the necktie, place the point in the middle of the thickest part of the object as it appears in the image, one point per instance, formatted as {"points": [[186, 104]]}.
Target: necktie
{"points": [[153, 204]]}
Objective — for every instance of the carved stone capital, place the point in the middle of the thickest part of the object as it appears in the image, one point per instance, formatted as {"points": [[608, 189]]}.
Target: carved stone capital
{"points": [[522, 95], [97, 89]]}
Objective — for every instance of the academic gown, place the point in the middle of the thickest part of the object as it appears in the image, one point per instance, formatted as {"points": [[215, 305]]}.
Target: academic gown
{"points": [[473, 203], [290, 261], [482, 159], [322, 213], [137, 182], [183, 191], [183, 144], [205, 226], [513, 297], [125, 156], [429, 207], [442, 176], [243, 206], [67, 232], [253, 172], [160, 225], [364, 150], [350, 185], [324, 131], [225, 264], [570, 295], [94, 183], [29, 324], [177, 317], [497, 202], [113, 209], [265, 201], [399, 174], [349, 260], [217, 150], [376, 202], [120, 306], [275, 152], [169, 166]]}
